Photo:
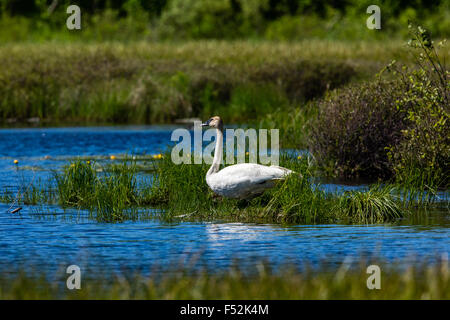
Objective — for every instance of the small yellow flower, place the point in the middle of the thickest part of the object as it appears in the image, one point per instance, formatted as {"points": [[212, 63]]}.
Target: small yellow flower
{"points": [[112, 157], [16, 161], [299, 157], [72, 165], [157, 156], [88, 162]]}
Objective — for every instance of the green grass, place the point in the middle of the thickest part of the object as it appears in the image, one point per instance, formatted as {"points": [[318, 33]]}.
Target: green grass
{"points": [[122, 189], [182, 190], [138, 82], [423, 282], [260, 83], [111, 192]]}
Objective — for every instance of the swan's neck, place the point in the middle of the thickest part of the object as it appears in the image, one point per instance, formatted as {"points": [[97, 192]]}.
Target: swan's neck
{"points": [[218, 153]]}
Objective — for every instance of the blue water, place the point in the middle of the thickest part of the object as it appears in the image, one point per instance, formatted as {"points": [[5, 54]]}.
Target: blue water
{"points": [[47, 238]]}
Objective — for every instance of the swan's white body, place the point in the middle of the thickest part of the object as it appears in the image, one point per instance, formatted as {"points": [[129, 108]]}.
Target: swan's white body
{"points": [[245, 180], [241, 181]]}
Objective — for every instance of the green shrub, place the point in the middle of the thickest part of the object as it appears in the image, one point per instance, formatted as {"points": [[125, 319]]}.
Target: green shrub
{"points": [[354, 127], [398, 127], [200, 19], [423, 155]]}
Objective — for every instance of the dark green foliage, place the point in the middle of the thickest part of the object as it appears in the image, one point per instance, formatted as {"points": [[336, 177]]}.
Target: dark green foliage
{"points": [[423, 156], [127, 20]]}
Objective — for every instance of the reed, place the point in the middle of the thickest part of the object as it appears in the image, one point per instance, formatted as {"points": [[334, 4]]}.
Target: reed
{"points": [[122, 189], [371, 206], [182, 190], [161, 82]]}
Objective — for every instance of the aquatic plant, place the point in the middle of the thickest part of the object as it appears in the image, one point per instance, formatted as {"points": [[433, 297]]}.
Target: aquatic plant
{"points": [[370, 206], [122, 189], [182, 191], [110, 192]]}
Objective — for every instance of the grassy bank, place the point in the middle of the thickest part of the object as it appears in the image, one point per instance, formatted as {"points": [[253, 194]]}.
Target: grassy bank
{"points": [[432, 282], [262, 83], [159, 82]]}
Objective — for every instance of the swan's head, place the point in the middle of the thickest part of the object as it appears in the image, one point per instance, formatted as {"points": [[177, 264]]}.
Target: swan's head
{"points": [[214, 122]]}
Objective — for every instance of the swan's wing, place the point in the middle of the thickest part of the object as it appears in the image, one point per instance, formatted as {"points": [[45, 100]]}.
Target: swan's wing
{"points": [[254, 172], [247, 175], [245, 179]]}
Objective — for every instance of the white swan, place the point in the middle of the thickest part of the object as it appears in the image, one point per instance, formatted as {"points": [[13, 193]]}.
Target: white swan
{"points": [[241, 181]]}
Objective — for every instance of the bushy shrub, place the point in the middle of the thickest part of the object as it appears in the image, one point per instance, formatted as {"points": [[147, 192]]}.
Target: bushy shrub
{"points": [[398, 127], [355, 126], [423, 156]]}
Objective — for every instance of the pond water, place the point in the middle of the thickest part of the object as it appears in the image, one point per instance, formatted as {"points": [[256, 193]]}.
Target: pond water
{"points": [[47, 238]]}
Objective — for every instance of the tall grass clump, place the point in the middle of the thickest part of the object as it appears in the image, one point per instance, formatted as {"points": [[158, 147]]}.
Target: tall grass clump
{"points": [[111, 193], [370, 206], [180, 187], [391, 128]]}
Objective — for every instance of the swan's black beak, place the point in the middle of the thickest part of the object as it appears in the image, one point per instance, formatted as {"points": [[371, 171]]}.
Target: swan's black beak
{"points": [[206, 124]]}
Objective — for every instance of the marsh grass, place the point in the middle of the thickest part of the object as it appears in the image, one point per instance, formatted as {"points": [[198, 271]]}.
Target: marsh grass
{"points": [[421, 282], [120, 190], [110, 192], [182, 191], [161, 82], [371, 206], [113, 192]]}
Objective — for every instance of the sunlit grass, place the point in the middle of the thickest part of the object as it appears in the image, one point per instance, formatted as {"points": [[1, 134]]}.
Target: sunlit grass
{"points": [[375, 204], [115, 190], [142, 82], [182, 190]]}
